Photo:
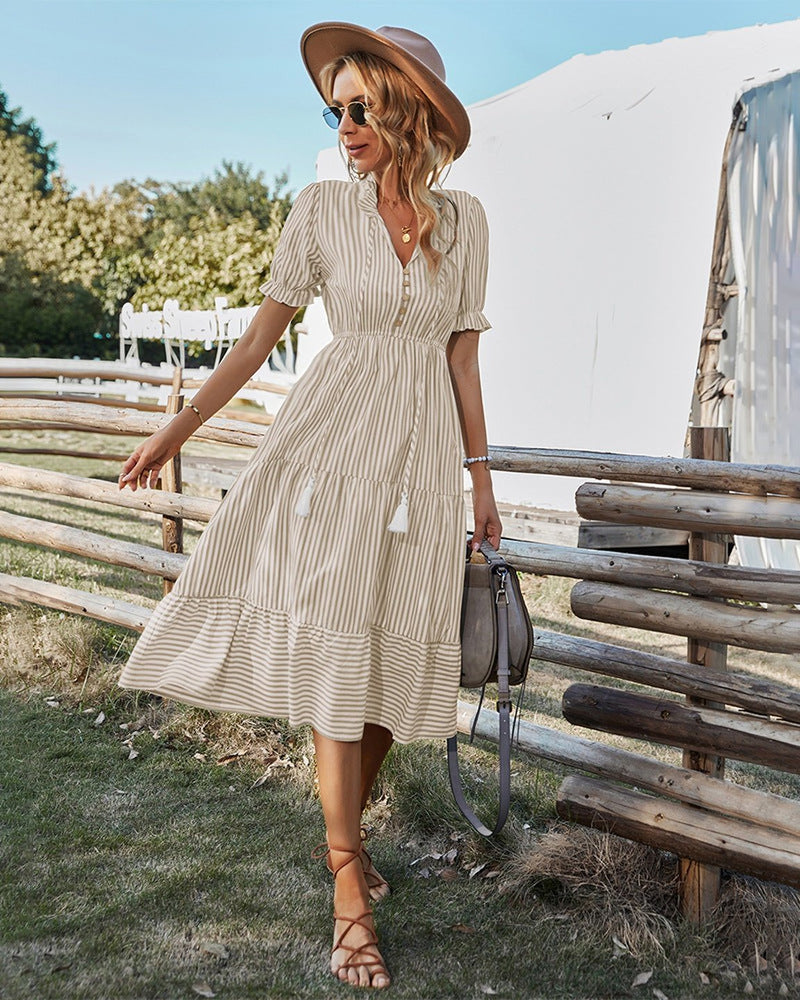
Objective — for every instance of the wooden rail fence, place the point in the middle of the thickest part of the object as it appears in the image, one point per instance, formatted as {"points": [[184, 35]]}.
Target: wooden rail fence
{"points": [[692, 810]]}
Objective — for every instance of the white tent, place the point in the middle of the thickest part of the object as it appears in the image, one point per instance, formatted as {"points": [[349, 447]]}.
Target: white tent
{"points": [[600, 182], [762, 349]]}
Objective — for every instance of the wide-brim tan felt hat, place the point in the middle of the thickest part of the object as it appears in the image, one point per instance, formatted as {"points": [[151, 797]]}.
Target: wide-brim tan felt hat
{"points": [[411, 53]]}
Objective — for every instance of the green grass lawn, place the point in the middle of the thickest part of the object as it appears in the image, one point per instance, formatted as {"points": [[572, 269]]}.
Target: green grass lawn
{"points": [[154, 852]]}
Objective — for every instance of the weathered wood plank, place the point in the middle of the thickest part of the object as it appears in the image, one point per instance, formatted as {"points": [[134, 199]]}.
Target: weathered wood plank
{"points": [[762, 697], [700, 883], [663, 720], [692, 510], [23, 590], [44, 413], [61, 484], [110, 370], [694, 472], [679, 783], [688, 576], [92, 545], [684, 830], [776, 631]]}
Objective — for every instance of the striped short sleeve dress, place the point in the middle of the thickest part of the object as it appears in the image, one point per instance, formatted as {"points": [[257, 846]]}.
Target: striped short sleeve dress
{"points": [[327, 587]]}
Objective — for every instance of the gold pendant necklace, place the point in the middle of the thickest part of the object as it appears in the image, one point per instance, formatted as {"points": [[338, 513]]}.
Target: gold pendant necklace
{"points": [[405, 231]]}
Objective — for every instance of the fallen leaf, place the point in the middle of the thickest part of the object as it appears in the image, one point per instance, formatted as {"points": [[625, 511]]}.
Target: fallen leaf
{"points": [[229, 758], [492, 874], [642, 978], [451, 856], [455, 835], [203, 990], [659, 995], [463, 928], [214, 948], [783, 991], [704, 979], [200, 756], [488, 990], [448, 874], [424, 873], [748, 987], [260, 781], [619, 947], [133, 754], [476, 870], [101, 718], [52, 702]]}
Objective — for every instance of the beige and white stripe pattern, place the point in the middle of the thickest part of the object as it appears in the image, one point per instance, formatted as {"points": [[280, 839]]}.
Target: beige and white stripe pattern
{"points": [[299, 601]]}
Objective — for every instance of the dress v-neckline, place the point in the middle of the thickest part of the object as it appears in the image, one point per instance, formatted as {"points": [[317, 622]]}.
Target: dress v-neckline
{"points": [[370, 201]]}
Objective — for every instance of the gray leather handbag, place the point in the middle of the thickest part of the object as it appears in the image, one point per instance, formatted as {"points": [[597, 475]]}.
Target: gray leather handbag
{"points": [[496, 645]]}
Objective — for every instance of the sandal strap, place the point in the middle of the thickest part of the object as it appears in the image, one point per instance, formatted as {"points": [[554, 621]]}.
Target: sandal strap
{"points": [[353, 856], [371, 958]]}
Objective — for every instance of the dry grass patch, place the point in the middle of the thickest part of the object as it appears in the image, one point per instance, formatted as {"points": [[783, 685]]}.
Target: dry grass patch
{"points": [[608, 888]]}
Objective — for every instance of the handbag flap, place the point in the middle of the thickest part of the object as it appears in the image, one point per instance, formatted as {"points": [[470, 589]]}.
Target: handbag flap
{"points": [[478, 625]]}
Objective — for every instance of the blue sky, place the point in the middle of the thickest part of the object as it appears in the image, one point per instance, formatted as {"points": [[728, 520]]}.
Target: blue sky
{"points": [[169, 88]]}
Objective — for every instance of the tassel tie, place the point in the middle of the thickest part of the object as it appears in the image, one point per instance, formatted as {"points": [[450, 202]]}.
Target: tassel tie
{"points": [[399, 522]]}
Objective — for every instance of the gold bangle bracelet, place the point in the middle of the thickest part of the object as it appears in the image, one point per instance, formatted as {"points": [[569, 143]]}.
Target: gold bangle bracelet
{"points": [[191, 406]]}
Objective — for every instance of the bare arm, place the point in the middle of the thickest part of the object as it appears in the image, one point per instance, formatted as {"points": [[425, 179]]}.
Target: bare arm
{"points": [[462, 358], [240, 364]]}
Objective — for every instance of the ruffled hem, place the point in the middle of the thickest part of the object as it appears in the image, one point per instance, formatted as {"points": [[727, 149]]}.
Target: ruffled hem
{"points": [[227, 654]]}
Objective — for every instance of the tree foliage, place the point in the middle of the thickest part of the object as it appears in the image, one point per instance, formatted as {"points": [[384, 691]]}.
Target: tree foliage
{"points": [[41, 154], [69, 261]]}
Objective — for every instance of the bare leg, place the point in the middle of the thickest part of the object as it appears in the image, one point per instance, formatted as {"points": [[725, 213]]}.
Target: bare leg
{"points": [[339, 770], [375, 744]]}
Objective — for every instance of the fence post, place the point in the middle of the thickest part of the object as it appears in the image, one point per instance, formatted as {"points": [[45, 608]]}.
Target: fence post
{"points": [[699, 883], [172, 480]]}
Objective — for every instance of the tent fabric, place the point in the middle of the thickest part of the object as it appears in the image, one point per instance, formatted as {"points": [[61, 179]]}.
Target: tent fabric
{"points": [[764, 210]]}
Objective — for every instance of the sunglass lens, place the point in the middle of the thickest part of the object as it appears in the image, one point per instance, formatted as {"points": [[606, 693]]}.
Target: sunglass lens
{"points": [[332, 116], [356, 109]]}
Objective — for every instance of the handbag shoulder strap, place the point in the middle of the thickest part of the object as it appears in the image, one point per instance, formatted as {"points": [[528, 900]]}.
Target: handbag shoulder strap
{"points": [[504, 731]]}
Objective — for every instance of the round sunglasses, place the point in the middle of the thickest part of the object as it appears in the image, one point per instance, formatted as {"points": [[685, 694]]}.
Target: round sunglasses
{"points": [[333, 114]]}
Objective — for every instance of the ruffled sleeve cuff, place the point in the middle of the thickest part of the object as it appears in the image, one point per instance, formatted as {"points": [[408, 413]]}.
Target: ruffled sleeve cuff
{"points": [[298, 296], [474, 320]]}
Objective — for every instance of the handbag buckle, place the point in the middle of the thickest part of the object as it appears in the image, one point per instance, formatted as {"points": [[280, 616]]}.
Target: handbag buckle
{"points": [[501, 590]]}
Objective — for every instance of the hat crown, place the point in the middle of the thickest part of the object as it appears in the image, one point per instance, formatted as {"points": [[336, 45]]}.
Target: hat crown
{"points": [[417, 46]]}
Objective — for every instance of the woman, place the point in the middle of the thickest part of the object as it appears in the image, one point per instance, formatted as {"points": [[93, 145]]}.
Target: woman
{"points": [[327, 587]]}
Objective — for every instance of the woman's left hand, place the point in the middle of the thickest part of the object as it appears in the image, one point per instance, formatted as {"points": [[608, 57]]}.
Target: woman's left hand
{"points": [[487, 520]]}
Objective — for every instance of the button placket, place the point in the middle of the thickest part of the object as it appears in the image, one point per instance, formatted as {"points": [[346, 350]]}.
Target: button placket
{"points": [[401, 312]]}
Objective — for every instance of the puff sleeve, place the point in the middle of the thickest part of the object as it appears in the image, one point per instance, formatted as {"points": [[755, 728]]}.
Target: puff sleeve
{"points": [[295, 275], [476, 264]]}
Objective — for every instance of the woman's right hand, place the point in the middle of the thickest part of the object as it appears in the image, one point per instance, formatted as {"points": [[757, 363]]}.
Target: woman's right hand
{"points": [[144, 465]]}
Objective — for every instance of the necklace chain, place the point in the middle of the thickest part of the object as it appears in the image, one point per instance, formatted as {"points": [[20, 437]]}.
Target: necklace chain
{"points": [[405, 235]]}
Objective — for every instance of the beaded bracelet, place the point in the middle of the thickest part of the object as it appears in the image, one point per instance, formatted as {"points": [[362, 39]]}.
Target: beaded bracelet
{"points": [[471, 461], [199, 414]]}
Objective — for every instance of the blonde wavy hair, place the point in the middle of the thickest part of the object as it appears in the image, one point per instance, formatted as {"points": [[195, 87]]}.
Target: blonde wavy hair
{"points": [[406, 124]]}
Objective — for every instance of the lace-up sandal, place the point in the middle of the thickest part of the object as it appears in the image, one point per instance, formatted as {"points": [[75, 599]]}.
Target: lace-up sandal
{"points": [[376, 884], [365, 955]]}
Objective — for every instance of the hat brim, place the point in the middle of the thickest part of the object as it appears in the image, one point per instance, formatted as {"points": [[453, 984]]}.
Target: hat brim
{"points": [[322, 43]]}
